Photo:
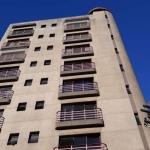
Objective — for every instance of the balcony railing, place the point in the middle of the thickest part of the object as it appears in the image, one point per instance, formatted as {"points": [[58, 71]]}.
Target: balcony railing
{"points": [[77, 26], [17, 33], [15, 44], [78, 66], [12, 57], [77, 37], [1, 122], [9, 73], [77, 87], [79, 115], [6, 94], [101, 146]]}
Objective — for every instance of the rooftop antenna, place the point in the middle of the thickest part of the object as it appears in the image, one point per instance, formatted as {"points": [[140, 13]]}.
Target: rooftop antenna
{"points": [[146, 110]]}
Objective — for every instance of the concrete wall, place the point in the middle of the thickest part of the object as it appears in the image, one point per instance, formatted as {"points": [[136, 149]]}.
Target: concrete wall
{"points": [[120, 132]]}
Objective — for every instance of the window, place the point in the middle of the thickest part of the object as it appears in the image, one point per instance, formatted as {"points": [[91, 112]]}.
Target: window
{"points": [[39, 105], [40, 36], [37, 49], [33, 63], [52, 35], [44, 81], [13, 139], [128, 89], [121, 68], [28, 82], [112, 37], [137, 119], [43, 26], [106, 16], [116, 50], [1, 112], [54, 25], [47, 62], [33, 137], [78, 36], [78, 140], [108, 25], [21, 107], [50, 47]]}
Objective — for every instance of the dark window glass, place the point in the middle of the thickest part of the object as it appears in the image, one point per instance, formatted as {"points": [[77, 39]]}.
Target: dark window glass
{"points": [[112, 37], [128, 89], [47, 62], [13, 139], [39, 105], [52, 35], [21, 106], [106, 16], [137, 119], [54, 25], [108, 25], [33, 137], [33, 63], [28, 82], [116, 50], [121, 68], [1, 112], [5, 88], [79, 140], [93, 140], [43, 26], [44, 81], [40, 36], [64, 141], [37, 49], [50, 47]]}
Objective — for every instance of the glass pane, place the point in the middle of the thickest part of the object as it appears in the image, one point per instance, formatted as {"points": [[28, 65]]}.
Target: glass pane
{"points": [[67, 108], [93, 140], [77, 49], [90, 106], [64, 142], [79, 141]]}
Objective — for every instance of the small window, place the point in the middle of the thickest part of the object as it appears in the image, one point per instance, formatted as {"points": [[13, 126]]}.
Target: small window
{"points": [[40, 36], [52, 35], [28, 82], [13, 139], [47, 62], [137, 119], [108, 25], [116, 50], [1, 112], [33, 63], [106, 16], [43, 26], [54, 25], [128, 89], [112, 37], [44, 81], [50, 47], [121, 68], [33, 137], [39, 105], [21, 106], [37, 49]]}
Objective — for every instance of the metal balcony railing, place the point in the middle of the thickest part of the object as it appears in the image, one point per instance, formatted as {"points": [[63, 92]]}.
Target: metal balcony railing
{"points": [[78, 66], [79, 115], [77, 37], [77, 87], [9, 73], [77, 50], [1, 121], [100, 146], [77, 26], [15, 44], [21, 32], [6, 94], [12, 56]]}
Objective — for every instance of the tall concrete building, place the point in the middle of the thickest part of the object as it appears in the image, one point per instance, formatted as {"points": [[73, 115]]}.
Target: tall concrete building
{"points": [[68, 84]]}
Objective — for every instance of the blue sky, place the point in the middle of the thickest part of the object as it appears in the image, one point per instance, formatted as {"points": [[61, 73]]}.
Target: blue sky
{"points": [[132, 17]]}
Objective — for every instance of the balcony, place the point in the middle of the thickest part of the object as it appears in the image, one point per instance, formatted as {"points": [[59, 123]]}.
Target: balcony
{"points": [[100, 146], [77, 52], [78, 90], [9, 75], [21, 33], [1, 122], [12, 58], [6, 96], [15, 45], [77, 26], [84, 37], [78, 68], [79, 119]]}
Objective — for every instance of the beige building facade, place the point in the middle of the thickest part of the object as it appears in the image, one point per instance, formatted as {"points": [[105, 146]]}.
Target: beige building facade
{"points": [[68, 84]]}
